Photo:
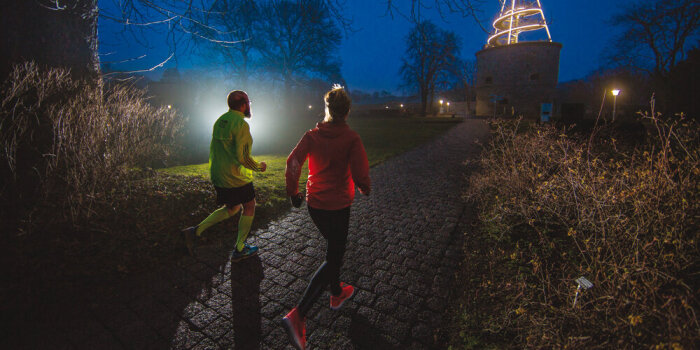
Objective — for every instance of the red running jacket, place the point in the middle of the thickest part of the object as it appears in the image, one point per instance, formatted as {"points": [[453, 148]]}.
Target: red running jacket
{"points": [[337, 160]]}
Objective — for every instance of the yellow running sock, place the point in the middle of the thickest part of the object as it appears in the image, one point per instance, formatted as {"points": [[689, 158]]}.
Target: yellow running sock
{"points": [[244, 224], [216, 217]]}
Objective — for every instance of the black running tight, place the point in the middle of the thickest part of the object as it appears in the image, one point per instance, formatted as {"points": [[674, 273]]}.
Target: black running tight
{"points": [[333, 225]]}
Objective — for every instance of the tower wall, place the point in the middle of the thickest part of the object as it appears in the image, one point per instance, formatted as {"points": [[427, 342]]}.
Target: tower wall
{"points": [[522, 76]]}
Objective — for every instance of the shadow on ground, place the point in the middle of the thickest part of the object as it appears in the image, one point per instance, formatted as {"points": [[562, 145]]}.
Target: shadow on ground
{"points": [[169, 306]]}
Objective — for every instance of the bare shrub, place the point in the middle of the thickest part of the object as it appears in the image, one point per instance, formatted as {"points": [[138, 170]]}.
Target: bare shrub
{"points": [[626, 220], [77, 140]]}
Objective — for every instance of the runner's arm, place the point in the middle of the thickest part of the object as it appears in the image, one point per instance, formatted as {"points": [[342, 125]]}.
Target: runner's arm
{"points": [[294, 162], [244, 142], [359, 167]]}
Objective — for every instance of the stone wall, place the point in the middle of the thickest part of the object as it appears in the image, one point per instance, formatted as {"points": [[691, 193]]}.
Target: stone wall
{"points": [[521, 76]]}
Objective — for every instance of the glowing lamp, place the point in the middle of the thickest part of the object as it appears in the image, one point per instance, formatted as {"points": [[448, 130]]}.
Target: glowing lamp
{"points": [[386, 107], [441, 101], [170, 106], [310, 106], [402, 105], [615, 93]]}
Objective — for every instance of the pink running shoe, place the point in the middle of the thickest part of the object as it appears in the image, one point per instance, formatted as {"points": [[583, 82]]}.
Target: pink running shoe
{"points": [[296, 329], [337, 301]]}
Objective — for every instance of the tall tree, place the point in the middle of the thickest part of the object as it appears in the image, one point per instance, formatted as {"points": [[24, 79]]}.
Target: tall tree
{"points": [[238, 20], [464, 73], [297, 40], [430, 55], [656, 34]]}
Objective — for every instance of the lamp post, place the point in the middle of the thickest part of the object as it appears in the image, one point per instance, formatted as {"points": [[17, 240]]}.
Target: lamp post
{"points": [[615, 92], [441, 102], [448, 106]]}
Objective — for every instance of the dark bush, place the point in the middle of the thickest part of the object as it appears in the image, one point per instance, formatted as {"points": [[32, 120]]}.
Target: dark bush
{"points": [[626, 219], [68, 143]]}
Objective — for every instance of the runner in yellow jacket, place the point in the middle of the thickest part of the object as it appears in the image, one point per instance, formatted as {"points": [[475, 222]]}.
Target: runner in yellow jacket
{"points": [[232, 175]]}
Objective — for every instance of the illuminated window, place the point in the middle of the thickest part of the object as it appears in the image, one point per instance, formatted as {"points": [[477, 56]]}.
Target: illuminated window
{"points": [[535, 76]]}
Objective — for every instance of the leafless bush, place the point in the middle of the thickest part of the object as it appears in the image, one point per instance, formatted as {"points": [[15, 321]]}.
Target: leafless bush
{"points": [[75, 139], [628, 221]]}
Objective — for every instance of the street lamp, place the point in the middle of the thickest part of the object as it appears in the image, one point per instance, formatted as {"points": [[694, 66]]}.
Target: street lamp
{"points": [[441, 102], [448, 106], [615, 92], [310, 106]]}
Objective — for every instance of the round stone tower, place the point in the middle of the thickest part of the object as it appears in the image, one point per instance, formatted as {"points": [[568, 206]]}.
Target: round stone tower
{"points": [[516, 77]]}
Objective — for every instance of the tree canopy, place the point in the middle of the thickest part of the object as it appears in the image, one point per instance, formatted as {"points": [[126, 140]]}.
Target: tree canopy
{"points": [[656, 34], [431, 55]]}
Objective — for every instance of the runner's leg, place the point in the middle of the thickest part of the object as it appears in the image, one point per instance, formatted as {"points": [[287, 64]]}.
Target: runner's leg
{"points": [[244, 223]]}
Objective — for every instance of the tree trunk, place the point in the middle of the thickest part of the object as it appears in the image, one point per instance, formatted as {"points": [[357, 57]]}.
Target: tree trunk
{"points": [[423, 102], [64, 36]]}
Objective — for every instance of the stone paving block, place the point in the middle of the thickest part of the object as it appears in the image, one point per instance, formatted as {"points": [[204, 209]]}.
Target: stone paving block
{"points": [[368, 313], [385, 305], [206, 344], [203, 318], [218, 328], [284, 279], [363, 297], [368, 283], [185, 337]]}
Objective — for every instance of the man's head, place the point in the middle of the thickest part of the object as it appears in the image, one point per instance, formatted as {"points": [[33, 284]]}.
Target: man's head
{"points": [[238, 101], [337, 104]]}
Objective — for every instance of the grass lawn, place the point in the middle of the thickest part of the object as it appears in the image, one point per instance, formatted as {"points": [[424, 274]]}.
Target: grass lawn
{"points": [[382, 138]]}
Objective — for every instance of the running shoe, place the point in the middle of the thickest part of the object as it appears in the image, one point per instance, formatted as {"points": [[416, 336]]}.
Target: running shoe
{"points": [[337, 301], [190, 236], [295, 326], [247, 252]]}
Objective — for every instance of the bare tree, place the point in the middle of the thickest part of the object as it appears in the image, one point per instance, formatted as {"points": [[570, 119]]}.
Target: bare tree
{"points": [[296, 40], [466, 8], [464, 73], [238, 19], [430, 55], [656, 34]]}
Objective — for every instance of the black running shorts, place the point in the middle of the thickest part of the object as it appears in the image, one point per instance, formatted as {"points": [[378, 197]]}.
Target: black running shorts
{"points": [[235, 195]]}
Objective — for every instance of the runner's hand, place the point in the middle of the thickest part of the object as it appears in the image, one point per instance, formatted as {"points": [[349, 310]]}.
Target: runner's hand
{"points": [[297, 199], [263, 166]]}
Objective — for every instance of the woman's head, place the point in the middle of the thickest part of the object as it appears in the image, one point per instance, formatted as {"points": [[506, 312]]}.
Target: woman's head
{"points": [[337, 104]]}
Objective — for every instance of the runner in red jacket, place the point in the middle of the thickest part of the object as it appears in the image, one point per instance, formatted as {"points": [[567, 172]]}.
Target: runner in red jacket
{"points": [[337, 161]]}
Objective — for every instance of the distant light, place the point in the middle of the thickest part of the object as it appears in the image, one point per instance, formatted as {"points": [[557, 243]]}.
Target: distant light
{"points": [[448, 103], [616, 92], [310, 106], [169, 106], [441, 101], [387, 107], [402, 105]]}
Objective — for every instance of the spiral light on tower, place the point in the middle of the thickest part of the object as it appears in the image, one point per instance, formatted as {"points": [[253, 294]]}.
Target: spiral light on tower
{"points": [[517, 17]]}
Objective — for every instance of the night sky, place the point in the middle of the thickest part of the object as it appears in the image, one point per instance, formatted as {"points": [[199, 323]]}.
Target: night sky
{"points": [[371, 55]]}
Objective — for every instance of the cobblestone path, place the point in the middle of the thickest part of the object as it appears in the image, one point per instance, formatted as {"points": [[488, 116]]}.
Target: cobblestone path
{"points": [[403, 249]]}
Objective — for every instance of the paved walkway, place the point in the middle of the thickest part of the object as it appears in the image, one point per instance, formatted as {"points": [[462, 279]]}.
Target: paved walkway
{"points": [[402, 251]]}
